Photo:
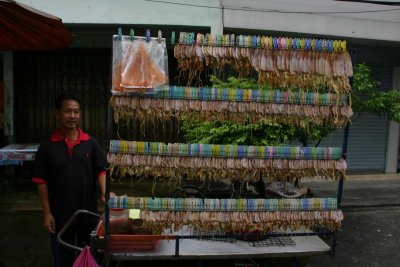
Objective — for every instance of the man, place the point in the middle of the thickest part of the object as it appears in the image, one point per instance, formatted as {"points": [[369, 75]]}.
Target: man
{"points": [[68, 167]]}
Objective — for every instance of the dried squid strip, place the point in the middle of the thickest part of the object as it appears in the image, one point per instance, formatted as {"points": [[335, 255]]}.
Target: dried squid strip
{"points": [[220, 168], [127, 108], [304, 80], [193, 59], [239, 222]]}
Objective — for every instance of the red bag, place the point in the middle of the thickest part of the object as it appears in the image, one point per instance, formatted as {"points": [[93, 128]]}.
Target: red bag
{"points": [[85, 259]]}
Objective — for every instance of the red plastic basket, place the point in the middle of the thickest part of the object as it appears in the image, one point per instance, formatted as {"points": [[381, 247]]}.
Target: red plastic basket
{"points": [[129, 243]]}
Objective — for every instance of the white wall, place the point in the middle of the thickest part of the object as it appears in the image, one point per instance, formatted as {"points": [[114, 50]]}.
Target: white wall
{"points": [[133, 12], [322, 17]]}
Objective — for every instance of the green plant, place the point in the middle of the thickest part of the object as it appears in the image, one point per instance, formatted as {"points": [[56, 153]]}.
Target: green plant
{"points": [[365, 98]]}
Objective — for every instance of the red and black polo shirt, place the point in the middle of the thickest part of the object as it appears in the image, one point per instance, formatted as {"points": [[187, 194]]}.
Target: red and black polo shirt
{"points": [[70, 171]]}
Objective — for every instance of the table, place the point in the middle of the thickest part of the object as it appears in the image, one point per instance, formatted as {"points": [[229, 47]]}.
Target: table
{"points": [[195, 249], [15, 155], [303, 245]]}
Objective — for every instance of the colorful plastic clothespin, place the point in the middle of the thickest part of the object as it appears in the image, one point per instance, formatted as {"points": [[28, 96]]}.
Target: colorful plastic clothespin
{"points": [[232, 40], [343, 46], [248, 41], [198, 39], [302, 44], [147, 35], [313, 44], [323, 45], [254, 41], [173, 38], [181, 37], [262, 42], [132, 34], [218, 40], [120, 33], [284, 41], [275, 43], [159, 35]]}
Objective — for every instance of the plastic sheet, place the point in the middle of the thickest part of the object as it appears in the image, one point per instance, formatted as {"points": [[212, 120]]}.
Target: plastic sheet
{"points": [[138, 64]]}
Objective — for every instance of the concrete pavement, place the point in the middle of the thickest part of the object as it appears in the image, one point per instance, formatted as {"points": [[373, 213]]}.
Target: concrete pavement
{"points": [[370, 235]]}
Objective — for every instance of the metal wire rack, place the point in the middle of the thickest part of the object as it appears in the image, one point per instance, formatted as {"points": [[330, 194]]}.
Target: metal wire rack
{"points": [[214, 236], [282, 241]]}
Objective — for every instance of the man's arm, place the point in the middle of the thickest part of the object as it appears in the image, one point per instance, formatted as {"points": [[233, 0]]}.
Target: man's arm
{"points": [[102, 183], [48, 219]]}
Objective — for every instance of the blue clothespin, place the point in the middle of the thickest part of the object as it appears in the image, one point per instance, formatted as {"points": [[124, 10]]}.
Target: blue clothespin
{"points": [[254, 41], [192, 38], [173, 38], [132, 34], [147, 35], [275, 43], [120, 33]]}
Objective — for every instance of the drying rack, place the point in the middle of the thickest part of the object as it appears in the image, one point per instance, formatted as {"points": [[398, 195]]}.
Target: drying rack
{"points": [[171, 244]]}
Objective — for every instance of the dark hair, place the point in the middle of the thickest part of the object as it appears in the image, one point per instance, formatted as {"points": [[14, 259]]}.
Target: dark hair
{"points": [[61, 97]]}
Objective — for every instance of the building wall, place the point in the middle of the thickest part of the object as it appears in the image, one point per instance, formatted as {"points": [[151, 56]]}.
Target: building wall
{"points": [[134, 12], [94, 21], [324, 18], [327, 18]]}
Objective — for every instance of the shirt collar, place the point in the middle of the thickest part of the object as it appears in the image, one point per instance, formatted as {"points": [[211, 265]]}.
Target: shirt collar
{"points": [[57, 136]]}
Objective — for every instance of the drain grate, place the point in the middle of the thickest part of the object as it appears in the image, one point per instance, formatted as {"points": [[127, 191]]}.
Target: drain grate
{"points": [[284, 241], [212, 236]]}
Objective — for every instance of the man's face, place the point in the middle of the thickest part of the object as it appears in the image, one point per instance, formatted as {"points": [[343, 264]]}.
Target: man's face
{"points": [[69, 115]]}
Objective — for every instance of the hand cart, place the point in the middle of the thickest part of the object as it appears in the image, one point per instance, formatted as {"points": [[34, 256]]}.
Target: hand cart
{"points": [[185, 245]]}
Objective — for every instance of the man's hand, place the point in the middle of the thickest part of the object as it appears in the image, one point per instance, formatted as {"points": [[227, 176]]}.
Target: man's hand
{"points": [[49, 223], [103, 197]]}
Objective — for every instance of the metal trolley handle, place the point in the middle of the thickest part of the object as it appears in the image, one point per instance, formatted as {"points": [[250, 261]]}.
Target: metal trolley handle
{"points": [[68, 224]]}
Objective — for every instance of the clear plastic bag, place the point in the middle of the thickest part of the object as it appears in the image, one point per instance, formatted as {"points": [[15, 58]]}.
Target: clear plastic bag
{"points": [[138, 64]]}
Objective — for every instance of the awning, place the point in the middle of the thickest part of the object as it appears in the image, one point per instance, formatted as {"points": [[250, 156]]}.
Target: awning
{"points": [[25, 28]]}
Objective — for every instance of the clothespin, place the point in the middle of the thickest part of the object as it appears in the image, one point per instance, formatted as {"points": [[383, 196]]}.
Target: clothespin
{"points": [[159, 36], [254, 41], [120, 33], [132, 34], [147, 35], [173, 38], [181, 37], [275, 43], [191, 38], [343, 45], [198, 39], [214, 39], [218, 39], [323, 45]]}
